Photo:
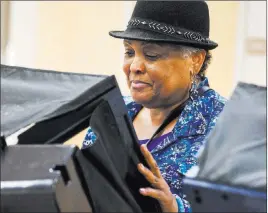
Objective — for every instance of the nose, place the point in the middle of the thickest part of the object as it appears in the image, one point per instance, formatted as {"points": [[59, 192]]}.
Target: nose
{"points": [[137, 65]]}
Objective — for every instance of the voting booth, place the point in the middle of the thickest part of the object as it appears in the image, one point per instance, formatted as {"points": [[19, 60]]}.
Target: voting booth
{"points": [[206, 196], [40, 110], [232, 166]]}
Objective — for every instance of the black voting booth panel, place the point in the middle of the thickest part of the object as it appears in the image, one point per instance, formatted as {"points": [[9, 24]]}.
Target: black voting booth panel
{"points": [[61, 105], [35, 96], [206, 196], [42, 178]]}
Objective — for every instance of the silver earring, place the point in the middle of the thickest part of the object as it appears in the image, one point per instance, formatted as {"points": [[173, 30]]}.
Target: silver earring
{"points": [[193, 89]]}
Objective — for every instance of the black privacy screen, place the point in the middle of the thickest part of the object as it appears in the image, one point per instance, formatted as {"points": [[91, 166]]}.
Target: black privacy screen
{"points": [[60, 105]]}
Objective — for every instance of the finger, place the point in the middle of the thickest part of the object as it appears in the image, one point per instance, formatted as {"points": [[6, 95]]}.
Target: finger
{"points": [[155, 181], [151, 161], [154, 193]]}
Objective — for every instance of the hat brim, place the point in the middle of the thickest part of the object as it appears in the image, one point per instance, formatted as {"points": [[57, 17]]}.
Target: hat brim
{"points": [[144, 35]]}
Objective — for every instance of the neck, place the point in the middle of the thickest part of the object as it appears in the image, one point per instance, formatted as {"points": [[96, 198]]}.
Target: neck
{"points": [[158, 115]]}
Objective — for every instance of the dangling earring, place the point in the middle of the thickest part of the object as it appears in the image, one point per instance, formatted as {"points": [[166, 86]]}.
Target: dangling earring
{"points": [[193, 89]]}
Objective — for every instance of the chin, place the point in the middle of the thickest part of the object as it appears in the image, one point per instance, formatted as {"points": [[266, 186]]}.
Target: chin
{"points": [[144, 100], [140, 98]]}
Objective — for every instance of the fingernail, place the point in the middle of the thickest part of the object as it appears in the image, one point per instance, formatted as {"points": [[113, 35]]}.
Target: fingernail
{"points": [[143, 147], [141, 166], [142, 190]]}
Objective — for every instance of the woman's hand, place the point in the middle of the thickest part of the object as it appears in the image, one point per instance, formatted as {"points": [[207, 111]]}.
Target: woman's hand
{"points": [[161, 190]]}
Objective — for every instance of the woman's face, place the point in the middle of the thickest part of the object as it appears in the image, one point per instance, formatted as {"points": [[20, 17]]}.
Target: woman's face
{"points": [[158, 75]]}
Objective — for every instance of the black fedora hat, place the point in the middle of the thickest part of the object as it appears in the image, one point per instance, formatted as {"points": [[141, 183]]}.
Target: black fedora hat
{"points": [[180, 22]]}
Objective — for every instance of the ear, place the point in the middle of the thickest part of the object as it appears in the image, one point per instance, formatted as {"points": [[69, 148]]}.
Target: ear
{"points": [[198, 60]]}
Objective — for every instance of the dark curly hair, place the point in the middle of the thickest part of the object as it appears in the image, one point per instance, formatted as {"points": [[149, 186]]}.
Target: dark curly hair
{"points": [[202, 72]]}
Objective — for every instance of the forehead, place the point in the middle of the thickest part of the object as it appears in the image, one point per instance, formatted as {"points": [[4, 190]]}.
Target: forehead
{"points": [[147, 43]]}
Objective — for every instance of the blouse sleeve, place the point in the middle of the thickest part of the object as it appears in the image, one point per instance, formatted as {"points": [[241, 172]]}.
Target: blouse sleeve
{"points": [[183, 205], [89, 138]]}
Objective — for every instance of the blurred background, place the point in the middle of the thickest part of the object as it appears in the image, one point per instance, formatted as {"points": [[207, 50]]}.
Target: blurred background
{"points": [[72, 36]]}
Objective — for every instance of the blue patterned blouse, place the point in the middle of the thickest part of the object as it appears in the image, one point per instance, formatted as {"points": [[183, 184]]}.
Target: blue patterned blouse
{"points": [[175, 155]]}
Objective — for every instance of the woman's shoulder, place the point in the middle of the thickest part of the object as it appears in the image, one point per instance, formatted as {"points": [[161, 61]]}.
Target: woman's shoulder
{"points": [[216, 97], [212, 101], [200, 115], [210, 98], [212, 106]]}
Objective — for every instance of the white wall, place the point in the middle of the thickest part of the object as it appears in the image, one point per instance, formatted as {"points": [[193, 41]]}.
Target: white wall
{"points": [[4, 26], [21, 42], [251, 43]]}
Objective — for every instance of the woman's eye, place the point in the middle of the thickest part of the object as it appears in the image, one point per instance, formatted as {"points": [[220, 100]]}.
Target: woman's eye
{"points": [[152, 56], [129, 53]]}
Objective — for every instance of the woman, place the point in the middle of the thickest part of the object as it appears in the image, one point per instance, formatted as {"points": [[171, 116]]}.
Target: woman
{"points": [[166, 56]]}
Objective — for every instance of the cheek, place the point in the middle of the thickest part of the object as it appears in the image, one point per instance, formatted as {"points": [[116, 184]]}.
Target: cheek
{"points": [[126, 68], [176, 78], [181, 73]]}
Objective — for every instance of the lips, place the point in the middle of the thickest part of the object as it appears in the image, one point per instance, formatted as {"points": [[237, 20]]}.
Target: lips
{"points": [[137, 84]]}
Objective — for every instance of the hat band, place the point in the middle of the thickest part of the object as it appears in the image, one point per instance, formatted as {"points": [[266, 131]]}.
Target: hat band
{"points": [[166, 29]]}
